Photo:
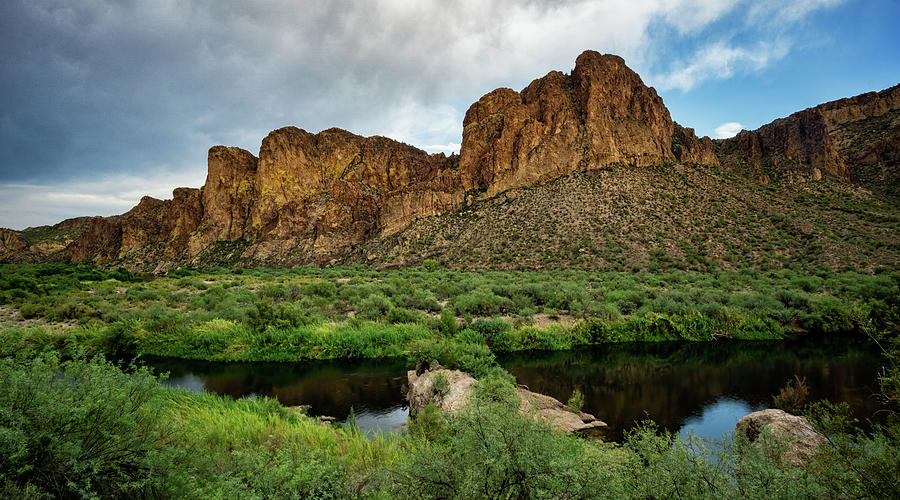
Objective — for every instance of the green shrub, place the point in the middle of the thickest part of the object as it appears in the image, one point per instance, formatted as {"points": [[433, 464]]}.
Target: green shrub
{"points": [[474, 359], [481, 302], [265, 314], [375, 306], [440, 384], [576, 401], [488, 452], [80, 428], [469, 336], [401, 315], [448, 325], [324, 289]]}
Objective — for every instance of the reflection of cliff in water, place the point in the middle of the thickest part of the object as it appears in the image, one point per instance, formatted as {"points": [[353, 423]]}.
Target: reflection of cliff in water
{"points": [[671, 382], [329, 388]]}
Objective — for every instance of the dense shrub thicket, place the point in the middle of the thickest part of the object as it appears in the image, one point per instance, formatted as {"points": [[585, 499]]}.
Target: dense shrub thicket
{"points": [[71, 426], [301, 313]]}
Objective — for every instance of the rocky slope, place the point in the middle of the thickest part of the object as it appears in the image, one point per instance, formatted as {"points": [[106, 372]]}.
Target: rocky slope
{"points": [[855, 139], [337, 197], [662, 217]]}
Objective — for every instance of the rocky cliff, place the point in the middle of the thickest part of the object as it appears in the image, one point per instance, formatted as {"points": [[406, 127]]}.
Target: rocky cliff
{"points": [[855, 139], [318, 198], [307, 198], [601, 114]]}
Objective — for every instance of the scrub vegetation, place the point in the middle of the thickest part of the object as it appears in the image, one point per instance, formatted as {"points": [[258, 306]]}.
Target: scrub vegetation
{"points": [[73, 424], [346, 312]]}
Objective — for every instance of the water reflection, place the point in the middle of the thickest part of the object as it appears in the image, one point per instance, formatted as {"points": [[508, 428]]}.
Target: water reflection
{"points": [[704, 387], [372, 389], [718, 418], [675, 384]]}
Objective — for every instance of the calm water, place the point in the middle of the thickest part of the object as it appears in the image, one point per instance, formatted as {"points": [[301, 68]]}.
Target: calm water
{"points": [[703, 388]]}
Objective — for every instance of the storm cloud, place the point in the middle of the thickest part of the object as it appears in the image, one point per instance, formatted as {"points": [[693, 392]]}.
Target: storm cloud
{"points": [[106, 100]]}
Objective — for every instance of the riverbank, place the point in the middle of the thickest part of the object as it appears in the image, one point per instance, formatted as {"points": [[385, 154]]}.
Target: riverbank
{"points": [[165, 442], [347, 313], [701, 386]]}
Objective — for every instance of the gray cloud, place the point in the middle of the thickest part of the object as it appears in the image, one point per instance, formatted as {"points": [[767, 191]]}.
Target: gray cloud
{"points": [[115, 91]]}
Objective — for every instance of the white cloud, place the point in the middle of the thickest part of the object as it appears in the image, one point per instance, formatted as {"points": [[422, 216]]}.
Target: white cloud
{"points": [[781, 12], [726, 130], [453, 147], [27, 205], [720, 60]]}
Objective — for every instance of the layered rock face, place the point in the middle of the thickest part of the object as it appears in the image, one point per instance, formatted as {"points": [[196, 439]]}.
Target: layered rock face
{"points": [[855, 139], [601, 114], [321, 194], [314, 198], [11, 243], [307, 198], [153, 232]]}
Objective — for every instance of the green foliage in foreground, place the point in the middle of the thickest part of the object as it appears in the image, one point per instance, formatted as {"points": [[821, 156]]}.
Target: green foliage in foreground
{"points": [[85, 429]]}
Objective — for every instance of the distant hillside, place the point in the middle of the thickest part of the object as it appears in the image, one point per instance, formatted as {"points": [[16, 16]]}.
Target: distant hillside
{"points": [[659, 218], [855, 139], [583, 169]]}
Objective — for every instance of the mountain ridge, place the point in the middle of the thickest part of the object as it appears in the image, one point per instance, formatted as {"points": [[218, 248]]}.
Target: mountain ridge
{"points": [[318, 198]]}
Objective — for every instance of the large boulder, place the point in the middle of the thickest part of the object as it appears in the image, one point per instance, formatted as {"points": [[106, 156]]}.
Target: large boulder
{"points": [[801, 439], [457, 393]]}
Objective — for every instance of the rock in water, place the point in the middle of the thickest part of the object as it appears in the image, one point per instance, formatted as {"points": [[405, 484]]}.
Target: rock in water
{"points": [[801, 439], [458, 394]]}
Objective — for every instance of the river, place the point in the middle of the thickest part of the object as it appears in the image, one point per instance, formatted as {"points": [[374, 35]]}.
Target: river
{"points": [[702, 387]]}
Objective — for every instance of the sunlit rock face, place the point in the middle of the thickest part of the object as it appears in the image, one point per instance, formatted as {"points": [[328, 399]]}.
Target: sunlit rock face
{"points": [[601, 114], [855, 139], [318, 198]]}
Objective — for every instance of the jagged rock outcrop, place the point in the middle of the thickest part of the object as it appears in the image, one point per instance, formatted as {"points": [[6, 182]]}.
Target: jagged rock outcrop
{"points": [[227, 197], [321, 194], [458, 393], [153, 233], [599, 115], [854, 139], [688, 148], [11, 241], [99, 242], [11, 244], [316, 198], [307, 198], [800, 440]]}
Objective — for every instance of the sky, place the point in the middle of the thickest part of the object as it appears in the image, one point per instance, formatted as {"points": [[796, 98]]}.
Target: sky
{"points": [[102, 101]]}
